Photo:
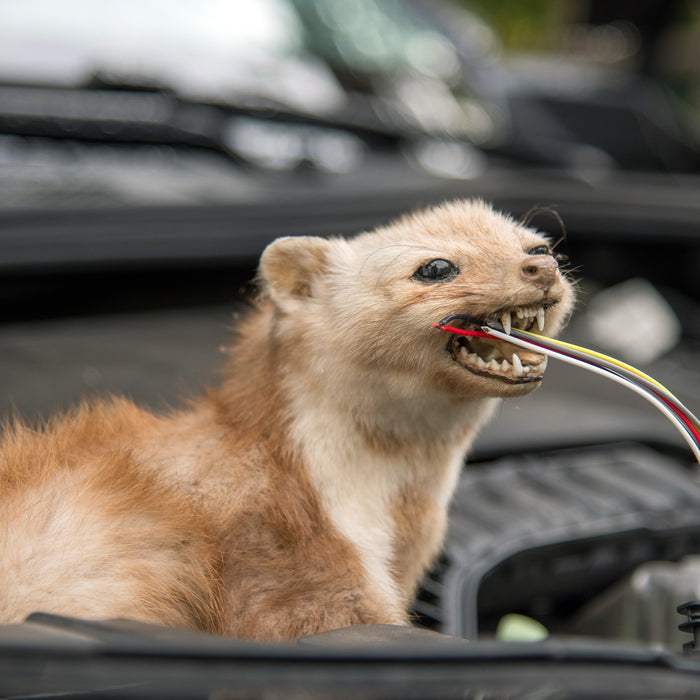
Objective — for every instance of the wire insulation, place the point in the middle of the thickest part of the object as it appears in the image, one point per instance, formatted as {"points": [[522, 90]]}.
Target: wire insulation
{"points": [[611, 368]]}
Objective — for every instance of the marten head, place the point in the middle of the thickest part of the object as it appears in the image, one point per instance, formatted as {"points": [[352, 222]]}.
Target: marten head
{"points": [[365, 307]]}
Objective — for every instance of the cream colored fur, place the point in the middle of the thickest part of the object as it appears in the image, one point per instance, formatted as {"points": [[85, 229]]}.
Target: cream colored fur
{"points": [[310, 490]]}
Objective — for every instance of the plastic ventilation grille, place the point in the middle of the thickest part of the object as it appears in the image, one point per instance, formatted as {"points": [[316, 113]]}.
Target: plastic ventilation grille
{"points": [[427, 608], [564, 524]]}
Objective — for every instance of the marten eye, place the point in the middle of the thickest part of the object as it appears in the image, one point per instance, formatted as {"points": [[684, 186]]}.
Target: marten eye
{"points": [[437, 270], [540, 250]]}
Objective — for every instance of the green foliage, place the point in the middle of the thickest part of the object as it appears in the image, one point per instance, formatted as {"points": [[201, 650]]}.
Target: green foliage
{"points": [[524, 24]]}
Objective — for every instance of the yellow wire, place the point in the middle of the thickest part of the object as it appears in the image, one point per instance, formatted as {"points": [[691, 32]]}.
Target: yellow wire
{"points": [[618, 363], [602, 356], [615, 361]]}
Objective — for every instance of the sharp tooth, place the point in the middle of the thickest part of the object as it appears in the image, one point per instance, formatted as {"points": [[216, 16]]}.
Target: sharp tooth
{"points": [[517, 366], [480, 363], [472, 357], [505, 322], [506, 366], [463, 351], [495, 364], [540, 318]]}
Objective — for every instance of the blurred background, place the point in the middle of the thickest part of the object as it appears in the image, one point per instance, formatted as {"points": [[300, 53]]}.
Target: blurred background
{"points": [[149, 150]]}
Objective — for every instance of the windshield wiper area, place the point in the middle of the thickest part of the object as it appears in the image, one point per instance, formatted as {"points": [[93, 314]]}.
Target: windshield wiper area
{"points": [[109, 115], [134, 114], [113, 116]]}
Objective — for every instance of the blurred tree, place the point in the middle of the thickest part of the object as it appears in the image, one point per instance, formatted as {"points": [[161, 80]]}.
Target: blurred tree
{"points": [[526, 24]]}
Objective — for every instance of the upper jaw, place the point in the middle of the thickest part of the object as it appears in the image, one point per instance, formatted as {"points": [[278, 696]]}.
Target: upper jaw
{"points": [[529, 317], [526, 317], [499, 359]]}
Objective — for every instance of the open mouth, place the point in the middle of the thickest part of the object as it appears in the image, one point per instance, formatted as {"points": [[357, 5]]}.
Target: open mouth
{"points": [[499, 359]]}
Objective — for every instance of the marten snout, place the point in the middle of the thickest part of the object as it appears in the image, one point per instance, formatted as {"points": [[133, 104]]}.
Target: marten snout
{"points": [[542, 271]]}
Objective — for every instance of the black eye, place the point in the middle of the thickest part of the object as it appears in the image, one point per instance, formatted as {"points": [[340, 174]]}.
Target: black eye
{"points": [[540, 250], [437, 270]]}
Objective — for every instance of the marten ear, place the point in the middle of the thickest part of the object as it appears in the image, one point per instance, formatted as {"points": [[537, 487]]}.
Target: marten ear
{"points": [[290, 265]]}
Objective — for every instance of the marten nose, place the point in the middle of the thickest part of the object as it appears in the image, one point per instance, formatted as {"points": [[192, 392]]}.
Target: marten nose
{"points": [[540, 270]]}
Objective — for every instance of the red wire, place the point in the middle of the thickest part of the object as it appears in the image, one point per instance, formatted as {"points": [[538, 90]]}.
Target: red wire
{"points": [[684, 418], [461, 331], [687, 422]]}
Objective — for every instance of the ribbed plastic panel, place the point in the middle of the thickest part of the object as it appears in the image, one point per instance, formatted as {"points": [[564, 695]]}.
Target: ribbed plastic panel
{"points": [[541, 534]]}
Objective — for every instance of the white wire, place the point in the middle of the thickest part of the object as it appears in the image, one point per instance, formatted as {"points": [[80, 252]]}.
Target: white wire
{"points": [[610, 375]]}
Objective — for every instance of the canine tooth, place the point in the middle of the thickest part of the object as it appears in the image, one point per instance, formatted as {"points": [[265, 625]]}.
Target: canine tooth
{"points": [[540, 318], [505, 322], [517, 366]]}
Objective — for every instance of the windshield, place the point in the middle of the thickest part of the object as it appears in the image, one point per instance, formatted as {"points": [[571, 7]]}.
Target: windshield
{"points": [[208, 48], [219, 49]]}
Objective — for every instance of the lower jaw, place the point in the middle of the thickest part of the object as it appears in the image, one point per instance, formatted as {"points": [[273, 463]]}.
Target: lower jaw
{"points": [[527, 379], [530, 365]]}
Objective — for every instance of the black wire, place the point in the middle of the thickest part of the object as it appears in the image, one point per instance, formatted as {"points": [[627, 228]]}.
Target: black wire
{"points": [[463, 317]]}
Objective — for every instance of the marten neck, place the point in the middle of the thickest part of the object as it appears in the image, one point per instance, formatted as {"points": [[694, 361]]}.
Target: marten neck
{"points": [[383, 462], [277, 384]]}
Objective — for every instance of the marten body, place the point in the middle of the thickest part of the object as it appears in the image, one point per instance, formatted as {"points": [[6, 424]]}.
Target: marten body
{"points": [[310, 490]]}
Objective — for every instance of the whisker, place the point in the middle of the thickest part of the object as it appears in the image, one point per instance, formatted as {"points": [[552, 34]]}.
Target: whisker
{"points": [[538, 210]]}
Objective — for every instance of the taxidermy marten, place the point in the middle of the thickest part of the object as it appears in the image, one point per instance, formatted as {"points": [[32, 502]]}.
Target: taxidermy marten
{"points": [[309, 491]]}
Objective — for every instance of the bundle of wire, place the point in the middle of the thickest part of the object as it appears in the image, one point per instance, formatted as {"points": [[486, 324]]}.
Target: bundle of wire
{"points": [[616, 370]]}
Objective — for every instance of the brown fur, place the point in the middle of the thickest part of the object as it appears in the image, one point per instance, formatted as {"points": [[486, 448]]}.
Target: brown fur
{"points": [[122, 541], [310, 490]]}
